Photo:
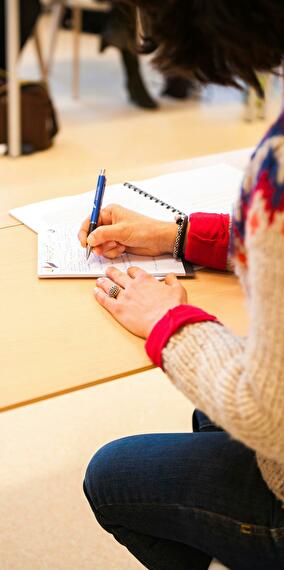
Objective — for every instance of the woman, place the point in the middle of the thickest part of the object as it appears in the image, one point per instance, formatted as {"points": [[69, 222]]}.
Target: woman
{"points": [[178, 500]]}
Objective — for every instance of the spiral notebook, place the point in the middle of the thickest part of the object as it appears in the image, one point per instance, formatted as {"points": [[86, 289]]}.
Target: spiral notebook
{"points": [[60, 254], [154, 199], [211, 189]]}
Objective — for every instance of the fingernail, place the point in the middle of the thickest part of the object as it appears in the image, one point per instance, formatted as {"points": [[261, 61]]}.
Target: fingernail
{"points": [[111, 244], [100, 280], [97, 291]]}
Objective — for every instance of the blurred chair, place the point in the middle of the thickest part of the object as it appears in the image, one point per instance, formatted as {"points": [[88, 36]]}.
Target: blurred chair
{"points": [[77, 6], [57, 7], [40, 56], [117, 33]]}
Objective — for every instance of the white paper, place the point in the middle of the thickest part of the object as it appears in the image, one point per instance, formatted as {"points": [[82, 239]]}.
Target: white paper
{"points": [[210, 189], [61, 255]]}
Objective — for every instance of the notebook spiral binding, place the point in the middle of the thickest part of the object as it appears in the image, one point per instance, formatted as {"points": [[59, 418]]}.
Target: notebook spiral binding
{"points": [[189, 269], [151, 197]]}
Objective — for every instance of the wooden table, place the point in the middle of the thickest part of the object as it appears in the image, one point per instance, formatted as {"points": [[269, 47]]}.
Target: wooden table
{"points": [[54, 338], [46, 189]]}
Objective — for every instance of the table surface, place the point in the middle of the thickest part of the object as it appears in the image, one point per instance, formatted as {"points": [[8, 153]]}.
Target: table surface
{"points": [[55, 338], [20, 196]]}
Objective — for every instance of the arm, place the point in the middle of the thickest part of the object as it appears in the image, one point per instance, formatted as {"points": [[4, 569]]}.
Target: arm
{"points": [[121, 230], [240, 384]]}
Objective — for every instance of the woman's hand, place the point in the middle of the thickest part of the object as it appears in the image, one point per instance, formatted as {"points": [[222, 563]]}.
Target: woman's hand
{"points": [[142, 300], [121, 230]]}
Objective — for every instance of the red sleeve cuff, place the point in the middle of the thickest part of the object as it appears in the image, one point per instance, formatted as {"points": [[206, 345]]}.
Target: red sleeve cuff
{"points": [[168, 325], [208, 240]]}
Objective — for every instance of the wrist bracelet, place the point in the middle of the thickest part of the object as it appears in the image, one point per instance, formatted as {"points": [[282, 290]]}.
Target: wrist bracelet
{"points": [[181, 222]]}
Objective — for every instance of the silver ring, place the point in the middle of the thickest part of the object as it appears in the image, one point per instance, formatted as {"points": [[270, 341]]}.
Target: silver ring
{"points": [[114, 291]]}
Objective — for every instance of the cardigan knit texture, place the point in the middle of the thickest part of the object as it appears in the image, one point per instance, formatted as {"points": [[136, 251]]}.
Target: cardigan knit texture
{"points": [[239, 382]]}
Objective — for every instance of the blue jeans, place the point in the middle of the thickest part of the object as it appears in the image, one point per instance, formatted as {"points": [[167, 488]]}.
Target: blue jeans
{"points": [[178, 500]]}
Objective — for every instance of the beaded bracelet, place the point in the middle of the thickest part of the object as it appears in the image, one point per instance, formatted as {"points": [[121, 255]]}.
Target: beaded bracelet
{"points": [[181, 222]]}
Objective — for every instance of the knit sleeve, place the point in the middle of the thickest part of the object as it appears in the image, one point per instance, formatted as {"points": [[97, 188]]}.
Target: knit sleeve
{"points": [[239, 382]]}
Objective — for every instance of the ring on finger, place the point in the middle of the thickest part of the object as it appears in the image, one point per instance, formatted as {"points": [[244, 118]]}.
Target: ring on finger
{"points": [[114, 291]]}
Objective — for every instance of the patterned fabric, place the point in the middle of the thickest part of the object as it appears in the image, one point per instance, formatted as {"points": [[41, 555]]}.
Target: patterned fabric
{"points": [[265, 175], [239, 383]]}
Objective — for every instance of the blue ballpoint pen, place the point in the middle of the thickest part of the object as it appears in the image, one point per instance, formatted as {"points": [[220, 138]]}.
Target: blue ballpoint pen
{"points": [[97, 206]]}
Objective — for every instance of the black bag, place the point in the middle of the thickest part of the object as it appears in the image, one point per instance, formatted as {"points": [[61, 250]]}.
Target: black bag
{"points": [[38, 117]]}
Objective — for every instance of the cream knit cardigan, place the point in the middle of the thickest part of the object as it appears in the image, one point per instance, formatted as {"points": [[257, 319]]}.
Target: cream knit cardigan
{"points": [[239, 382]]}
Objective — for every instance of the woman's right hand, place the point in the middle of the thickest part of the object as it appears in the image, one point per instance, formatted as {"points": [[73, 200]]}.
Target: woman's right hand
{"points": [[121, 230]]}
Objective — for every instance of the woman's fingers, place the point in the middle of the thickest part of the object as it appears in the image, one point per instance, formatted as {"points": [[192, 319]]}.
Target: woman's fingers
{"points": [[113, 276], [104, 284], [111, 250], [109, 303], [171, 279], [117, 276], [141, 300], [105, 219], [108, 246], [104, 234], [115, 252], [134, 272]]}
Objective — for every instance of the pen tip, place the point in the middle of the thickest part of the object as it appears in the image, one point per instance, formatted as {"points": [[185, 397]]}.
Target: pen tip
{"points": [[88, 251], [102, 172]]}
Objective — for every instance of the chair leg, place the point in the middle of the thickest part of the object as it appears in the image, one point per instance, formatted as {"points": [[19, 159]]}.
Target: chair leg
{"points": [[41, 62], [57, 13], [77, 28]]}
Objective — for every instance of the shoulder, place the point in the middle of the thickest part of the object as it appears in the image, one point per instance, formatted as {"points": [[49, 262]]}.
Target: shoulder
{"points": [[264, 178], [264, 192], [266, 169], [261, 202]]}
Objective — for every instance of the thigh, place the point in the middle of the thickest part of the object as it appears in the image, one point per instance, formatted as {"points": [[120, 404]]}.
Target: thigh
{"points": [[201, 489]]}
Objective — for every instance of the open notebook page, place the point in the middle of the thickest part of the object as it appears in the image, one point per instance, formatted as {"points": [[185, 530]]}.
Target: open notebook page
{"points": [[61, 255]]}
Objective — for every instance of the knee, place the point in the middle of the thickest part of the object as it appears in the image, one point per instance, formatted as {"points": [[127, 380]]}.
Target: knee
{"points": [[113, 469], [96, 475], [100, 482]]}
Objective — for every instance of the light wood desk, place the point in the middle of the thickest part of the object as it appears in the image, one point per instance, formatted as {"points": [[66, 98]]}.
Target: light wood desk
{"points": [[54, 338]]}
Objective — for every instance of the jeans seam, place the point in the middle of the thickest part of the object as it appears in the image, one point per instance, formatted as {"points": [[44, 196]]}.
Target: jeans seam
{"points": [[260, 528]]}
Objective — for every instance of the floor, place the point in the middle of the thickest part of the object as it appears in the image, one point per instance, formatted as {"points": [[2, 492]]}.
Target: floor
{"points": [[45, 521]]}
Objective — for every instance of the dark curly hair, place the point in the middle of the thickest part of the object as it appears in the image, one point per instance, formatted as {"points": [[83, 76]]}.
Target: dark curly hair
{"points": [[214, 41]]}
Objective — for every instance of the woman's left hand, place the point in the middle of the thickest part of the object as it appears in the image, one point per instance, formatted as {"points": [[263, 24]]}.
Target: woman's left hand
{"points": [[142, 300]]}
